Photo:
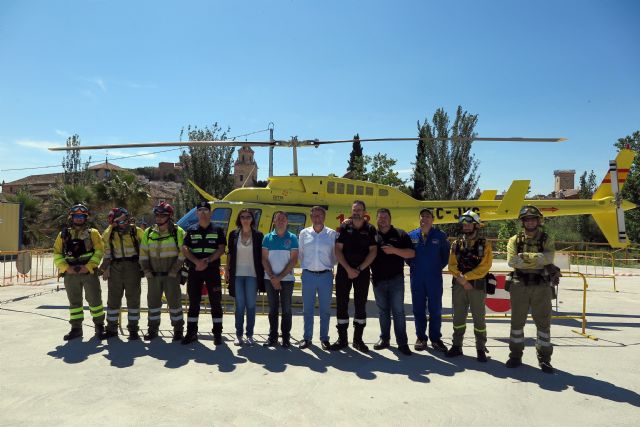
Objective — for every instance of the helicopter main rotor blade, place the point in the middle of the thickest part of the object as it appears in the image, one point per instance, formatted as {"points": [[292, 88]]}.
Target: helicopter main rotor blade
{"points": [[294, 142], [486, 139], [167, 144]]}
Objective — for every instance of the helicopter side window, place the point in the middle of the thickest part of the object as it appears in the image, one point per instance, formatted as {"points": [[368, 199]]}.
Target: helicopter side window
{"points": [[369, 191], [383, 192], [340, 188], [331, 187], [295, 224], [220, 218], [349, 188], [359, 190]]}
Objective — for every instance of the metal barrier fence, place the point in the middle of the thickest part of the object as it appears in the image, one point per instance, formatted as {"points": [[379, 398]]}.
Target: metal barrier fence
{"points": [[28, 266]]}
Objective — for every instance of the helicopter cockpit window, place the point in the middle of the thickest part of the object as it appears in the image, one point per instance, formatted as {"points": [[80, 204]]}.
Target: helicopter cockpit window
{"points": [[220, 218], [383, 192], [369, 191], [359, 190], [257, 213], [349, 188], [296, 222], [340, 188], [331, 187]]}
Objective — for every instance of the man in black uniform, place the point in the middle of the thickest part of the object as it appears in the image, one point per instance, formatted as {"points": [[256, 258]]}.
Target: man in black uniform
{"points": [[355, 250], [203, 246], [394, 246]]}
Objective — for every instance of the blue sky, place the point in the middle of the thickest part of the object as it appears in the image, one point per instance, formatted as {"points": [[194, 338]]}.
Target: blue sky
{"points": [[117, 72]]}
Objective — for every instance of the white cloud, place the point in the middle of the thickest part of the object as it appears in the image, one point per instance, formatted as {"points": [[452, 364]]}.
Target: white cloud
{"points": [[40, 145], [62, 133], [99, 82]]}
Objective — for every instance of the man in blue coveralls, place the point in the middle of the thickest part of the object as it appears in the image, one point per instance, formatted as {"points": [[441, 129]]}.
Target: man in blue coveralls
{"points": [[432, 255]]}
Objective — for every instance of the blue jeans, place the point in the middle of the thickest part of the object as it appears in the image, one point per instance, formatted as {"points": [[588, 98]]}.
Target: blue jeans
{"points": [[390, 299], [246, 294], [426, 293], [278, 298], [322, 284]]}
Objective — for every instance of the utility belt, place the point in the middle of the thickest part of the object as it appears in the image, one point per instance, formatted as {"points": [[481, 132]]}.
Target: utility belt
{"points": [[530, 279], [318, 272], [129, 258], [487, 283]]}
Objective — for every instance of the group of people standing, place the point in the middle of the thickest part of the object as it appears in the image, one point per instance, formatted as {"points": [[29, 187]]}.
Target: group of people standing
{"points": [[255, 262]]}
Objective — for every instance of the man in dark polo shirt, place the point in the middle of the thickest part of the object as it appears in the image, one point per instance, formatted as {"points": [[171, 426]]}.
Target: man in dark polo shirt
{"points": [[394, 246], [203, 246], [355, 250]]}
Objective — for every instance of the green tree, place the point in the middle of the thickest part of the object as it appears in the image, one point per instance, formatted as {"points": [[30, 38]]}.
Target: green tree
{"points": [[207, 166], [31, 209], [451, 169], [420, 166], [507, 229], [378, 169], [63, 198], [631, 189], [123, 190], [355, 158], [74, 172], [586, 227]]}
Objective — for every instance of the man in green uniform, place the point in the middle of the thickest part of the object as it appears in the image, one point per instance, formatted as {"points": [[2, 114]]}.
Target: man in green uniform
{"points": [[121, 269], [529, 253], [77, 252], [161, 261], [469, 262]]}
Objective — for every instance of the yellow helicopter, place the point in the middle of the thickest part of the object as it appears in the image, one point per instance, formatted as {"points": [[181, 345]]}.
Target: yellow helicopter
{"points": [[296, 194]]}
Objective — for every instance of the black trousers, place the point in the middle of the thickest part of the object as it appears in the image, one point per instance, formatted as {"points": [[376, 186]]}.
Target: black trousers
{"points": [[360, 294], [194, 289]]}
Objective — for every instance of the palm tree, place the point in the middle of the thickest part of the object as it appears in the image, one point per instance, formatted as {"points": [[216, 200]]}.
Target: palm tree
{"points": [[63, 198], [31, 208], [123, 190]]}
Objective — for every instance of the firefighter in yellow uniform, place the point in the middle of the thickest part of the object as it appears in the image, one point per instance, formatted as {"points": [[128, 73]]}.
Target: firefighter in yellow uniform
{"points": [[77, 252], [530, 253], [122, 271], [161, 260], [470, 260]]}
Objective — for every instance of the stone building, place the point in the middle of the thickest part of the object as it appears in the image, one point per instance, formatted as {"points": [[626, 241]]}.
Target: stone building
{"points": [[245, 169]]}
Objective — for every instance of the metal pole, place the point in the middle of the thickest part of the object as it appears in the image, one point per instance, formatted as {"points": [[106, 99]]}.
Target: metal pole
{"points": [[271, 150]]}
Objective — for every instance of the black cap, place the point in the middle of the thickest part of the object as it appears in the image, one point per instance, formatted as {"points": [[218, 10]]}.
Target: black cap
{"points": [[426, 210], [205, 205]]}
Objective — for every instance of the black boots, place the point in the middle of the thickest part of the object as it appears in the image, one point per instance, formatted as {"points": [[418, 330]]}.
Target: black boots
{"points": [[358, 344], [133, 334], [454, 351], [73, 334], [192, 334], [178, 333], [100, 334], [217, 333], [513, 362], [152, 333], [342, 341], [481, 355]]}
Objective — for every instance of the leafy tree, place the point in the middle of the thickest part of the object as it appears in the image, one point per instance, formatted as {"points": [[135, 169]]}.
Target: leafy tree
{"points": [[586, 227], [378, 169], [74, 172], [63, 198], [507, 229], [209, 167], [420, 166], [355, 158], [123, 190], [451, 169], [631, 189], [31, 209]]}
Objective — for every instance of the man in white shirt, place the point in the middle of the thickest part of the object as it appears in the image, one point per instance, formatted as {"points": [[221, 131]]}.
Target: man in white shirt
{"points": [[317, 258]]}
